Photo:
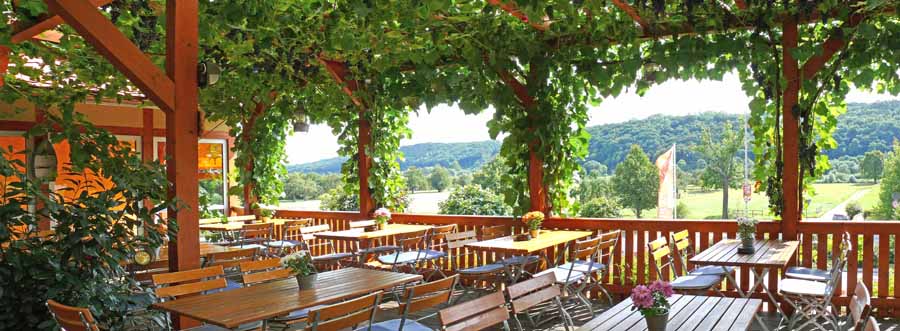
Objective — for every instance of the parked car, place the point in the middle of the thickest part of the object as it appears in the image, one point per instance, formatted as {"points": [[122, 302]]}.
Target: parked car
{"points": [[840, 217]]}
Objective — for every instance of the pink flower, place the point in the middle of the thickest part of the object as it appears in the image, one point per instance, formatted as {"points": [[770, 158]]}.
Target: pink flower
{"points": [[642, 297], [664, 287], [383, 212]]}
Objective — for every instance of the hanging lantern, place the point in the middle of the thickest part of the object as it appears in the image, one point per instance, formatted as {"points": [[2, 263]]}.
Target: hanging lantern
{"points": [[301, 121], [44, 162], [208, 74], [4, 62]]}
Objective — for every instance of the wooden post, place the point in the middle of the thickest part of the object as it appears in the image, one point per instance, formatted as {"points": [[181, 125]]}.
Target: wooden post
{"points": [[42, 218], [366, 203], [147, 136], [790, 185]]}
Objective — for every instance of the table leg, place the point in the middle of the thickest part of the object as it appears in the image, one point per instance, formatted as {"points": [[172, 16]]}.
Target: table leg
{"points": [[747, 294]]}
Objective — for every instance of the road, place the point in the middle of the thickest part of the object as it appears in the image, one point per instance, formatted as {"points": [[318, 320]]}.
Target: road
{"points": [[842, 207]]}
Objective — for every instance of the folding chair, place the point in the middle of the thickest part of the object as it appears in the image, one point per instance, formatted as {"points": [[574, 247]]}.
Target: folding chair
{"points": [[257, 235], [525, 295], [474, 315], [818, 274], [411, 252], [345, 315], [574, 276], [258, 272], [291, 237], [230, 261], [659, 248], [529, 263], [600, 266], [324, 253], [872, 324], [860, 307], [437, 249], [418, 298], [492, 273], [811, 299], [72, 318], [681, 240], [171, 286]]}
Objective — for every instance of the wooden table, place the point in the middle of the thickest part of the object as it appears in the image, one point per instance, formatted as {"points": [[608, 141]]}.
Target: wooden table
{"points": [[238, 225], [770, 254], [230, 309], [688, 312], [360, 235], [205, 250], [545, 240]]}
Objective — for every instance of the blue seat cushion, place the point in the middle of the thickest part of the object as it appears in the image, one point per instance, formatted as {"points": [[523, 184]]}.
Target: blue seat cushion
{"points": [[401, 257], [520, 259], [242, 327], [232, 285], [433, 254], [394, 325], [805, 273], [583, 266], [379, 249], [563, 276], [332, 257], [692, 282], [484, 269], [711, 270]]}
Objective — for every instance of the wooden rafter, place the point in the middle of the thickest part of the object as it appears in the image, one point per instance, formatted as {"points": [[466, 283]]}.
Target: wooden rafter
{"points": [[628, 9], [339, 72], [48, 23], [95, 28]]}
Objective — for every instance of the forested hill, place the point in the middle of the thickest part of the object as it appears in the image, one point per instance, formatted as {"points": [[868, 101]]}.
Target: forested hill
{"points": [[470, 155], [864, 127]]}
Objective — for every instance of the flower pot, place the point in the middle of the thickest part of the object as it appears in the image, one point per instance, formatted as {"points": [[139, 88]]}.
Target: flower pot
{"points": [[306, 282], [382, 226], [657, 322], [534, 233], [746, 245]]}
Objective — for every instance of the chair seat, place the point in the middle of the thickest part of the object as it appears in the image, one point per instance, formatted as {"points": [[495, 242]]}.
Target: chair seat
{"points": [[711, 270], [695, 282], [433, 254], [584, 266], [401, 257], [818, 275], [378, 249], [394, 325], [791, 286], [563, 276], [243, 327], [282, 243], [232, 285], [294, 316], [256, 246], [332, 257], [521, 259], [484, 269]]}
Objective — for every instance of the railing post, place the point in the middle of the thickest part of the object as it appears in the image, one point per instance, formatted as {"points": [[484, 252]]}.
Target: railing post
{"points": [[366, 204], [790, 139]]}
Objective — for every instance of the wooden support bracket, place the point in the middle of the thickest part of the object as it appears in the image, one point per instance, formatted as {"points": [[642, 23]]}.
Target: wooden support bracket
{"points": [[48, 23]]}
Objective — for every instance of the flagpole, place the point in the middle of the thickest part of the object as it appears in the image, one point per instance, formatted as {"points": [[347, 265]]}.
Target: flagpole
{"points": [[675, 179]]}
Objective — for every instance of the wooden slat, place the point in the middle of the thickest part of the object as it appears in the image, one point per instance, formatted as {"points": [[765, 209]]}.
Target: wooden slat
{"points": [[868, 259], [821, 251], [884, 254], [806, 251]]}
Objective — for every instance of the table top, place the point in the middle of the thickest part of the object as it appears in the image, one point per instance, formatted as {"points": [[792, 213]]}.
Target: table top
{"points": [[233, 226], [205, 250], [546, 239], [769, 254], [688, 312], [232, 308], [359, 233]]}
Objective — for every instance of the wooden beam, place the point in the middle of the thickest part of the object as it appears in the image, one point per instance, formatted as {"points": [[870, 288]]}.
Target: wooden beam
{"points": [[511, 8], [84, 17], [182, 133], [4, 63], [339, 72], [831, 46], [628, 9], [147, 136], [48, 23], [366, 203], [790, 184]]}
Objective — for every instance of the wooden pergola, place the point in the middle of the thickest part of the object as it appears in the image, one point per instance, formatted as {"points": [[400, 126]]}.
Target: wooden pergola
{"points": [[175, 91]]}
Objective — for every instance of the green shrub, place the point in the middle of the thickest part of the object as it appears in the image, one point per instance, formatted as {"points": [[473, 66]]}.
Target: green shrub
{"points": [[853, 208], [473, 200], [602, 207], [338, 199]]}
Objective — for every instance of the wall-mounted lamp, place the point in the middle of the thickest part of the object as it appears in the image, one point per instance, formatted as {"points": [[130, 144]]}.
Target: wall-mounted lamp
{"points": [[44, 162], [208, 74], [301, 121]]}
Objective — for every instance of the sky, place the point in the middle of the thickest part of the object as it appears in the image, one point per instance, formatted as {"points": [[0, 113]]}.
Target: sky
{"points": [[448, 123]]}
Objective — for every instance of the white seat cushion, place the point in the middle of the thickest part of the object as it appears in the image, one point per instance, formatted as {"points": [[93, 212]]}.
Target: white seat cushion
{"points": [[711, 270], [695, 282], [331, 257], [484, 269], [563, 276], [802, 287], [379, 249], [394, 325], [433, 254], [401, 257], [280, 243], [257, 246], [807, 274], [584, 266]]}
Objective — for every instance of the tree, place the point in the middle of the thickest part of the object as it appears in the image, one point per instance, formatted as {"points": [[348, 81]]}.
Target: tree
{"points": [[853, 208], [473, 200], [415, 179], [719, 153], [636, 181], [872, 165], [490, 175], [298, 186], [440, 178], [603, 207], [338, 199], [889, 196], [592, 166], [462, 179]]}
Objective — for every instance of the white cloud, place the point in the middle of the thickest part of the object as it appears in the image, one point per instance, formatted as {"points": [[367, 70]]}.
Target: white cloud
{"points": [[448, 123]]}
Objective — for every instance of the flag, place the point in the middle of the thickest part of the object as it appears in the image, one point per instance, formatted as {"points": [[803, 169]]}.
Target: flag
{"points": [[665, 207]]}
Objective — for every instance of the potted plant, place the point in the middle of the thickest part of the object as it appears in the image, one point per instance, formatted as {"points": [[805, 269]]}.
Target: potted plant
{"points": [[301, 264], [533, 221], [747, 232], [653, 303], [266, 215], [382, 216]]}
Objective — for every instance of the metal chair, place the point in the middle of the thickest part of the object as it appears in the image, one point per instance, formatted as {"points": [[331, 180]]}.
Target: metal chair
{"points": [[72, 318], [818, 274], [681, 240], [577, 274], [258, 272], [436, 250], [171, 286], [860, 307], [230, 261], [474, 315], [872, 324], [411, 252], [345, 315], [323, 253], [601, 265], [256, 235], [526, 295], [491, 273], [530, 263], [811, 299], [659, 249], [291, 237], [418, 298]]}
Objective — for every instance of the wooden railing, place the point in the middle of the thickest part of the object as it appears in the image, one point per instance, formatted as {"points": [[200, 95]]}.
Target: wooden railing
{"points": [[871, 261]]}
